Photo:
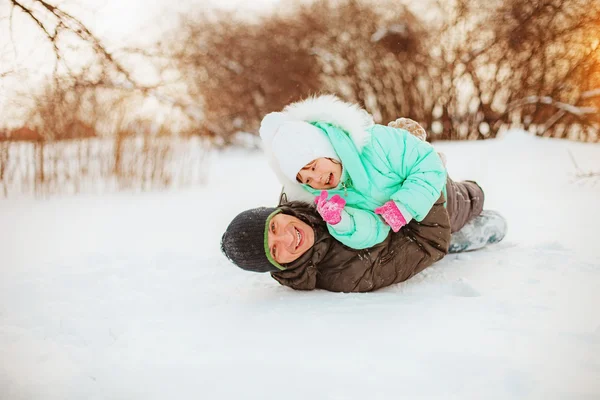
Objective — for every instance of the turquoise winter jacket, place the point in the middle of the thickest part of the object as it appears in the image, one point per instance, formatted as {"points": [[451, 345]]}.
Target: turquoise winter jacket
{"points": [[392, 165]]}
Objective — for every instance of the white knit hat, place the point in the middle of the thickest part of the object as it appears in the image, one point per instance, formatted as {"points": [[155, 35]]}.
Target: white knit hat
{"points": [[294, 143]]}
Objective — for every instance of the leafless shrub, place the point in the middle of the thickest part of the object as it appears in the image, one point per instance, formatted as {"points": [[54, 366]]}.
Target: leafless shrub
{"points": [[531, 63], [237, 69], [85, 139], [474, 69], [370, 52], [582, 175], [87, 165], [94, 124], [479, 68]]}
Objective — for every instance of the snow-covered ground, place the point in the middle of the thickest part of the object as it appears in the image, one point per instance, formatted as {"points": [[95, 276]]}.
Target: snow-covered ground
{"points": [[127, 296]]}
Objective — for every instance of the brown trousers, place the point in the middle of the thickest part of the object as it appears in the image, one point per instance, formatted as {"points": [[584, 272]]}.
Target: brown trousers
{"points": [[464, 201]]}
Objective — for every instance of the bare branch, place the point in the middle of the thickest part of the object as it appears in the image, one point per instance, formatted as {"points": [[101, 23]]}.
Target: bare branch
{"points": [[68, 23], [6, 73], [590, 93], [583, 175], [550, 101], [29, 12]]}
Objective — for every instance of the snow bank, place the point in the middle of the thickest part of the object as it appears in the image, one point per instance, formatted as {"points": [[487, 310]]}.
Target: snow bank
{"points": [[128, 297]]}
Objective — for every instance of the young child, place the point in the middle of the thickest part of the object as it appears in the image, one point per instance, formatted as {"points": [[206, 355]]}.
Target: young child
{"points": [[367, 178]]}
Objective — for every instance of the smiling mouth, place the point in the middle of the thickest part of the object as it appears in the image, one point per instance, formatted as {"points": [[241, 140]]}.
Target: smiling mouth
{"points": [[299, 238], [329, 179]]}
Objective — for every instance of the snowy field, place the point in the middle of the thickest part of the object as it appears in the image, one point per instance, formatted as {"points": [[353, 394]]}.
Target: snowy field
{"points": [[127, 296]]}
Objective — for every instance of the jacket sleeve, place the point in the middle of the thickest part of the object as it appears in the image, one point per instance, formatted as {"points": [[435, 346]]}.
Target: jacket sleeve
{"points": [[372, 228], [417, 163]]}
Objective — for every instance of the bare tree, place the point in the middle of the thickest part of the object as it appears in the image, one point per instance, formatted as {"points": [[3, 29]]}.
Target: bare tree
{"points": [[59, 26], [104, 69], [236, 70], [534, 63], [69, 119], [370, 52], [240, 69]]}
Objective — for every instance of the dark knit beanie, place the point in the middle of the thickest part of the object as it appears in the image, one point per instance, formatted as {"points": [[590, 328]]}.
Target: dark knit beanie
{"points": [[244, 241]]}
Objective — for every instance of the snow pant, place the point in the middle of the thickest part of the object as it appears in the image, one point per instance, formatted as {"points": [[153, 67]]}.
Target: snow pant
{"points": [[464, 201]]}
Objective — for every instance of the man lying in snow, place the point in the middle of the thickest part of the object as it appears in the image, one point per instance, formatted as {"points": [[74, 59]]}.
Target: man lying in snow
{"points": [[291, 242]]}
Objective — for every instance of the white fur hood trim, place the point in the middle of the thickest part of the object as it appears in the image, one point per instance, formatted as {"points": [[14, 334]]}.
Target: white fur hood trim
{"points": [[331, 109], [326, 108]]}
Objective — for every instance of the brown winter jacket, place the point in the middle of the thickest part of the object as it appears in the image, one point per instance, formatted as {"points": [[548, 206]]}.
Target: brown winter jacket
{"points": [[332, 266]]}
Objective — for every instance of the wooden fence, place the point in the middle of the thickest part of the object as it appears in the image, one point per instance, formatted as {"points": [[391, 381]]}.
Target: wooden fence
{"points": [[100, 165]]}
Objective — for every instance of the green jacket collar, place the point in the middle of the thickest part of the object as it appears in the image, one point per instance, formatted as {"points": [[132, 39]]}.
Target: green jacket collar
{"points": [[349, 156]]}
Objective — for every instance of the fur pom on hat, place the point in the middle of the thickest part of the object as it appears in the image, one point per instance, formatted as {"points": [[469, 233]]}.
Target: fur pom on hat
{"points": [[294, 143]]}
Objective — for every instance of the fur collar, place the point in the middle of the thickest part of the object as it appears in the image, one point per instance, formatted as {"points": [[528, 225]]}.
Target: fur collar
{"points": [[331, 109]]}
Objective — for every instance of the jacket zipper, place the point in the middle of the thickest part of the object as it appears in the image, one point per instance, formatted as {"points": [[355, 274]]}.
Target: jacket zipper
{"points": [[345, 189], [345, 185]]}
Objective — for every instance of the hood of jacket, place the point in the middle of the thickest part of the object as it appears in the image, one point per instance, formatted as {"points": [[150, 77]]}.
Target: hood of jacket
{"points": [[330, 109]]}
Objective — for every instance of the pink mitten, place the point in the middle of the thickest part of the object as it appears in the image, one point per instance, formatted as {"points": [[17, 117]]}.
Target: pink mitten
{"points": [[392, 215], [330, 210]]}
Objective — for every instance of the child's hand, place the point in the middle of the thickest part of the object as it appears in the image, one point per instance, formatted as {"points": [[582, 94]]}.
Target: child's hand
{"points": [[391, 215], [330, 210]]}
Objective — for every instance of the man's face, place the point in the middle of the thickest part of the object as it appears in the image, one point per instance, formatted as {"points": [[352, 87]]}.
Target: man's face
{"points": [[289, 238], [322, 173]]}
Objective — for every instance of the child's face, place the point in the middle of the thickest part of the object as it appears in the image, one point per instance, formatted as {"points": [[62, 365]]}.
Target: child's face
{"points": [[322, 173], [289, 238]]}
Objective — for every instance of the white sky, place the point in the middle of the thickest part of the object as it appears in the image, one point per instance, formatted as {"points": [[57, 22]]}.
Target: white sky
{"points": [[117, 20], [120, 19], [118, 23]]}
